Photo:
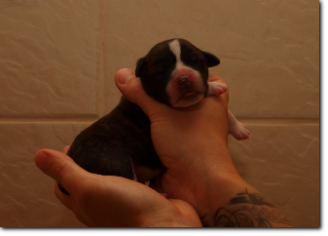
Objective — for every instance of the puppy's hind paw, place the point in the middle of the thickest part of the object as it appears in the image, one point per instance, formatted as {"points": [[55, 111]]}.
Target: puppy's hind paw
{"points": [[239, 131], [216, 88]]}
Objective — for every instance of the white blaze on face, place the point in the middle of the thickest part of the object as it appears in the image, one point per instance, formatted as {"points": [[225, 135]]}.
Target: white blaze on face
{"points": [[176, 98], [175, 48]]}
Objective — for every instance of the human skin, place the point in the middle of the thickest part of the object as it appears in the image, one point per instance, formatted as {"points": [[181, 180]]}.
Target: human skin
{"points": [[192, 143], [112, 201]]}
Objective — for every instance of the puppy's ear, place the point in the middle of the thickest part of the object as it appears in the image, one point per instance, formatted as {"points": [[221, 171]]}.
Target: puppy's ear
{"points": [[141, 66], [211, 60]]}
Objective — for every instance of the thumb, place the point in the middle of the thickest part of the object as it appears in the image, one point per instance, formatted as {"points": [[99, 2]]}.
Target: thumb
{"points": [[61, 168], [131, 88]]}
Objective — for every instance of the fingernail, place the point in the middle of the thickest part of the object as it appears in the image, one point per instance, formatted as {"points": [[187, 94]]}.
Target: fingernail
{"points": [[124, 76], [42, 161]]}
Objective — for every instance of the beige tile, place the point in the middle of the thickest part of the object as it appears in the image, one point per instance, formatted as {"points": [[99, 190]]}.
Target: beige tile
{"points": [[269, 50], [49, 58], [27, 196], [282, 162], [52, 66]]}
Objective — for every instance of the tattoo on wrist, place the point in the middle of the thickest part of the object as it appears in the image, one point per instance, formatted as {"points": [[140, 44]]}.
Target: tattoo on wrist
{"points": [[249, 210]]}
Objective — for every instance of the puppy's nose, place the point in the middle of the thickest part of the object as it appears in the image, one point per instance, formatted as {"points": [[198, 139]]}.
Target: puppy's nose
{"points": [[184, 81]]}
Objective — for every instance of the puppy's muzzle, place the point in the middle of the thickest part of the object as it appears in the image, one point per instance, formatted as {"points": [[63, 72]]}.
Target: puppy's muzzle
{"points": [[184, 82]]}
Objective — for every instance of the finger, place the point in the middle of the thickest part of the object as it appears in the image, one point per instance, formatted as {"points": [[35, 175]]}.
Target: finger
{"points": [[187, 212], [67, 200], [66, 148], [61, 168], [131, 88], [71, 204], [156, 184]]}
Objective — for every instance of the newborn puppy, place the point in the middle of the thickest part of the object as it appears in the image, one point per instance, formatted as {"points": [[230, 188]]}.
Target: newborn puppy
{"points": [[174, 72]]}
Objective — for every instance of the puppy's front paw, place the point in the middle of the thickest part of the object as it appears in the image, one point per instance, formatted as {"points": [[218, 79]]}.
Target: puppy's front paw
{"points": [[239, 131], [216, 88]]}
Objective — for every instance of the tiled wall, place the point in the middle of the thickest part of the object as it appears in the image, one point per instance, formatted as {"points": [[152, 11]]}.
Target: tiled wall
{"points": [[58, 58]]}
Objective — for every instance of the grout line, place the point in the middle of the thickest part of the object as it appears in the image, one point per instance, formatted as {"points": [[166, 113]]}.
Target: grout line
{"points": [[92, 119], [280, 121], [101, 104]]}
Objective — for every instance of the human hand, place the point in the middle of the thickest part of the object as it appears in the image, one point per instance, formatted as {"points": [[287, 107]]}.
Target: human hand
{"points": [[101, 201], [191, 142]]}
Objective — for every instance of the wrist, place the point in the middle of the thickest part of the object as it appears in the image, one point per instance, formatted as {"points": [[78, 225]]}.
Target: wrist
{"points": [[211, 176]]}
